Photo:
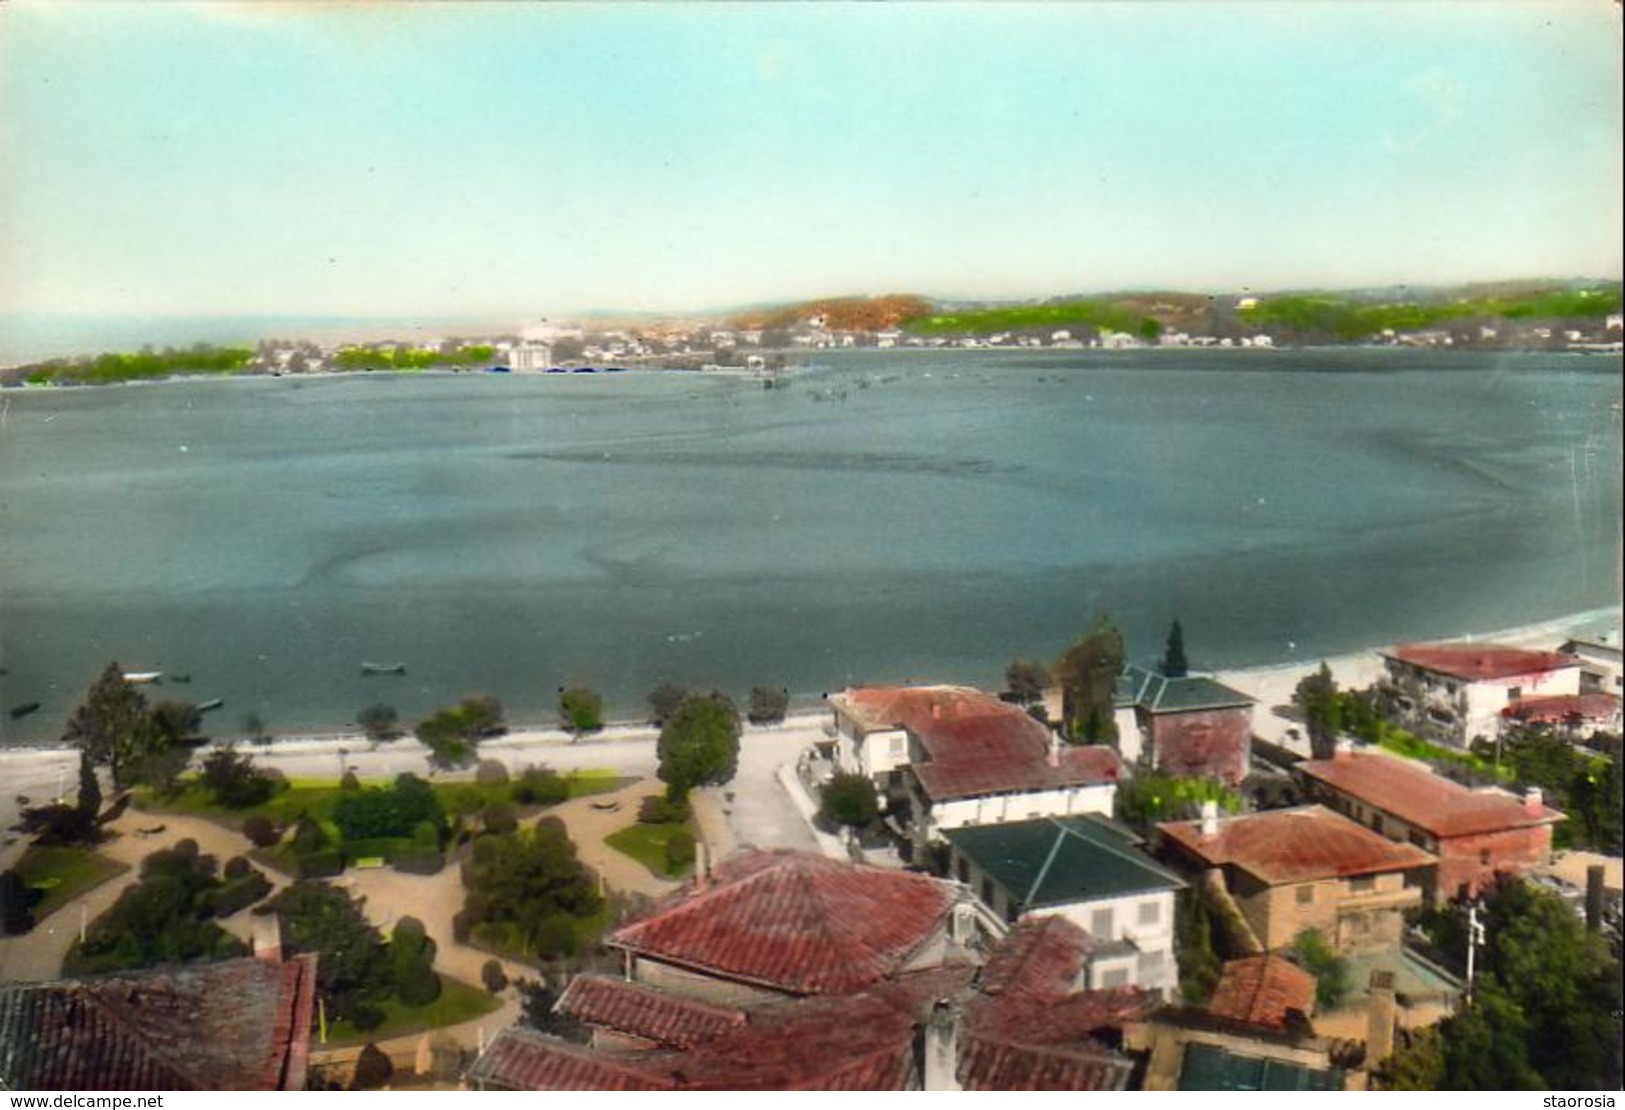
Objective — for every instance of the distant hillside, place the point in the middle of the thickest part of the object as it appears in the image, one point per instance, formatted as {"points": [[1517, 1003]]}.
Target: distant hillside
{"points": [[1349, 318], [1143, 314], [840, 313]]}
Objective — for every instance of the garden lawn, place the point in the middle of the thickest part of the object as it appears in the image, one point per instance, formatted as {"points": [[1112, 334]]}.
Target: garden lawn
{"points": [[63, 874], [647, 845], [458, 1002]]}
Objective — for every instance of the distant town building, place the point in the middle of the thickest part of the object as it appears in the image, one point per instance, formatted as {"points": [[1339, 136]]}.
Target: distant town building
{"points": [[531, 356], [1191, 726]]}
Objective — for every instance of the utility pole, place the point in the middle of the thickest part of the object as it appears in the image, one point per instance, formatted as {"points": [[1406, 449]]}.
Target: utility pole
{"points": [[1475, 937]]}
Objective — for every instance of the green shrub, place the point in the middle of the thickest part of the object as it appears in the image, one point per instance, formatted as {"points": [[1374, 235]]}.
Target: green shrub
{"points": [[372, 1069], [491, 772], [492, 975], [236, 894], [261, 831], [555, 936], [540, 786], [499, 817], [850, 799], [680, 846], [657, 809], [308, 836], [324, 863], [581, 710], [768, 705]]}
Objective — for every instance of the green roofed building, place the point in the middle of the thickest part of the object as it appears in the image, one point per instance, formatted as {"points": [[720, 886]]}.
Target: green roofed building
{"points": [[1088, 870]]}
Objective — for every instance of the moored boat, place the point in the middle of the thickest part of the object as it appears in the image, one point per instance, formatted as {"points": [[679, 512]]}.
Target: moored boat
{"points": [[143, 678], [383, 668], [212, 703], [20, 711]]}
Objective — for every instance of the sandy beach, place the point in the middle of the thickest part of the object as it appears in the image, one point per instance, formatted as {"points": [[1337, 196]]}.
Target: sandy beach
{"points": [[38, 774]]}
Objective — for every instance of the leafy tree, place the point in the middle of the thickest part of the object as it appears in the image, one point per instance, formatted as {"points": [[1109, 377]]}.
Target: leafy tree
{"points": [[1088, 674], [1311, 952], [1174, 664], [768, 705], [1194, 946], [521, 880], [17, 899], [491, 772], [372, 1069], [581, 709], [539, 786], [308, 835], [411, 963], [1544, 996], [1582, 784], [1146, 800], [177, 721], [451, 734], [493, 977], [699, 745], [1026, 681], [234, 780], [163, 919], [393, 810], [659, 809], [663, 702], [539, 1011], [380, 722], [353, 969], [850, 799], [499, 817], [113, 725], [260, 830], [90, 790], [1317, 698]]}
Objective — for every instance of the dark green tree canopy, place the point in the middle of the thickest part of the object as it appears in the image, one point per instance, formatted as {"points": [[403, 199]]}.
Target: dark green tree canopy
{"points": [[581, 709], [1026, 680], [850, 799], [380, 722], [113, 724], [1316, 698], [699, 745], [1088, 675], [768, 704], [353, 970], [663, 702], [1174, 664], [394, 810]]}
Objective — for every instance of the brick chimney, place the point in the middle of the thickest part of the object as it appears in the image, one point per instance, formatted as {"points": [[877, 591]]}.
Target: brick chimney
{"points": [[1053, 758], [267, 938], [1210, 820], [702, 865], [1533, 801]]}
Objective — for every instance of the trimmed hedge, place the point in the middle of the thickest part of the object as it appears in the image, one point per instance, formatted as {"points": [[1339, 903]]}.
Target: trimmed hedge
{"points": [[324, 863]]}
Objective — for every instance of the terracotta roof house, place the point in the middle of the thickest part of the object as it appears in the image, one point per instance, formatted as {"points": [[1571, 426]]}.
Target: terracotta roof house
{"points": [[1579, 715], [1306, 868], [1192, 726], [238, 1025], [966, 758], [904, 1018], [1456, 692], [1254, 1034], [1089, 871], [1474, 833]]}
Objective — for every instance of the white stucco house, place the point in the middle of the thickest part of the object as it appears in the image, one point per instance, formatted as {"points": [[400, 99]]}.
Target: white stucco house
{"points": [[1088, 870], [1458, 692]]}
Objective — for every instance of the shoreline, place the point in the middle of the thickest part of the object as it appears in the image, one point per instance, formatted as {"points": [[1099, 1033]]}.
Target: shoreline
{"points": [[37, 767]]}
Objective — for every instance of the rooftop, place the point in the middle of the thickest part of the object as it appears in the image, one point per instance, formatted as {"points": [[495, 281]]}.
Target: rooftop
{"points": [[1560, 708], [239, 1024], [1057, 861], [657, 1016], [1157, 693], [1262, 990], [975, 744], [1284, 846], [796, 923], [1418, 797], [1472, 662]]}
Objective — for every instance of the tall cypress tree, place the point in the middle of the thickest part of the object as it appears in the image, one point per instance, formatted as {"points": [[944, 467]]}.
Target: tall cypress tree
{"points": [[1174, 663], [90, 790]]}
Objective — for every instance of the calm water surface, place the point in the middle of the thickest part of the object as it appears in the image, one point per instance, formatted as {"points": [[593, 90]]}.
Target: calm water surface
{"points": [[889, 516]]}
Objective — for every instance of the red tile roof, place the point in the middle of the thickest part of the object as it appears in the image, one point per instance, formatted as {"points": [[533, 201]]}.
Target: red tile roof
{"points": [[1041, 957], [1476, 662], [640, 1011], [1262, 990], [976, 744], [1560, 708], [236, 1025], [795, 923], [522, 1059], [1284, 846], [1418, 797]]}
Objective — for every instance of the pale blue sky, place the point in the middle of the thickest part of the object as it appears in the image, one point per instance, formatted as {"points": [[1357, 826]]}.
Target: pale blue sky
{"points": [[540, 159]]}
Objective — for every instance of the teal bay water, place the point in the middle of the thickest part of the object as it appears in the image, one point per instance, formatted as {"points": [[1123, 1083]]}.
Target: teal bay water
{"points": [[909, 516]]}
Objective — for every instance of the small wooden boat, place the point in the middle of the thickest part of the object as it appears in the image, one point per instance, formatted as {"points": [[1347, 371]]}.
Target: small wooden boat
{"points": [[143, 678], [20, 711], [383, 668], [212, 703]]}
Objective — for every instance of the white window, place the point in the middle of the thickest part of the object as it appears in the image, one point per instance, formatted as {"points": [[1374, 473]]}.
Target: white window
{"points": [[1150, 913], [897, 743], [1100, 924], [1116, 977]]}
